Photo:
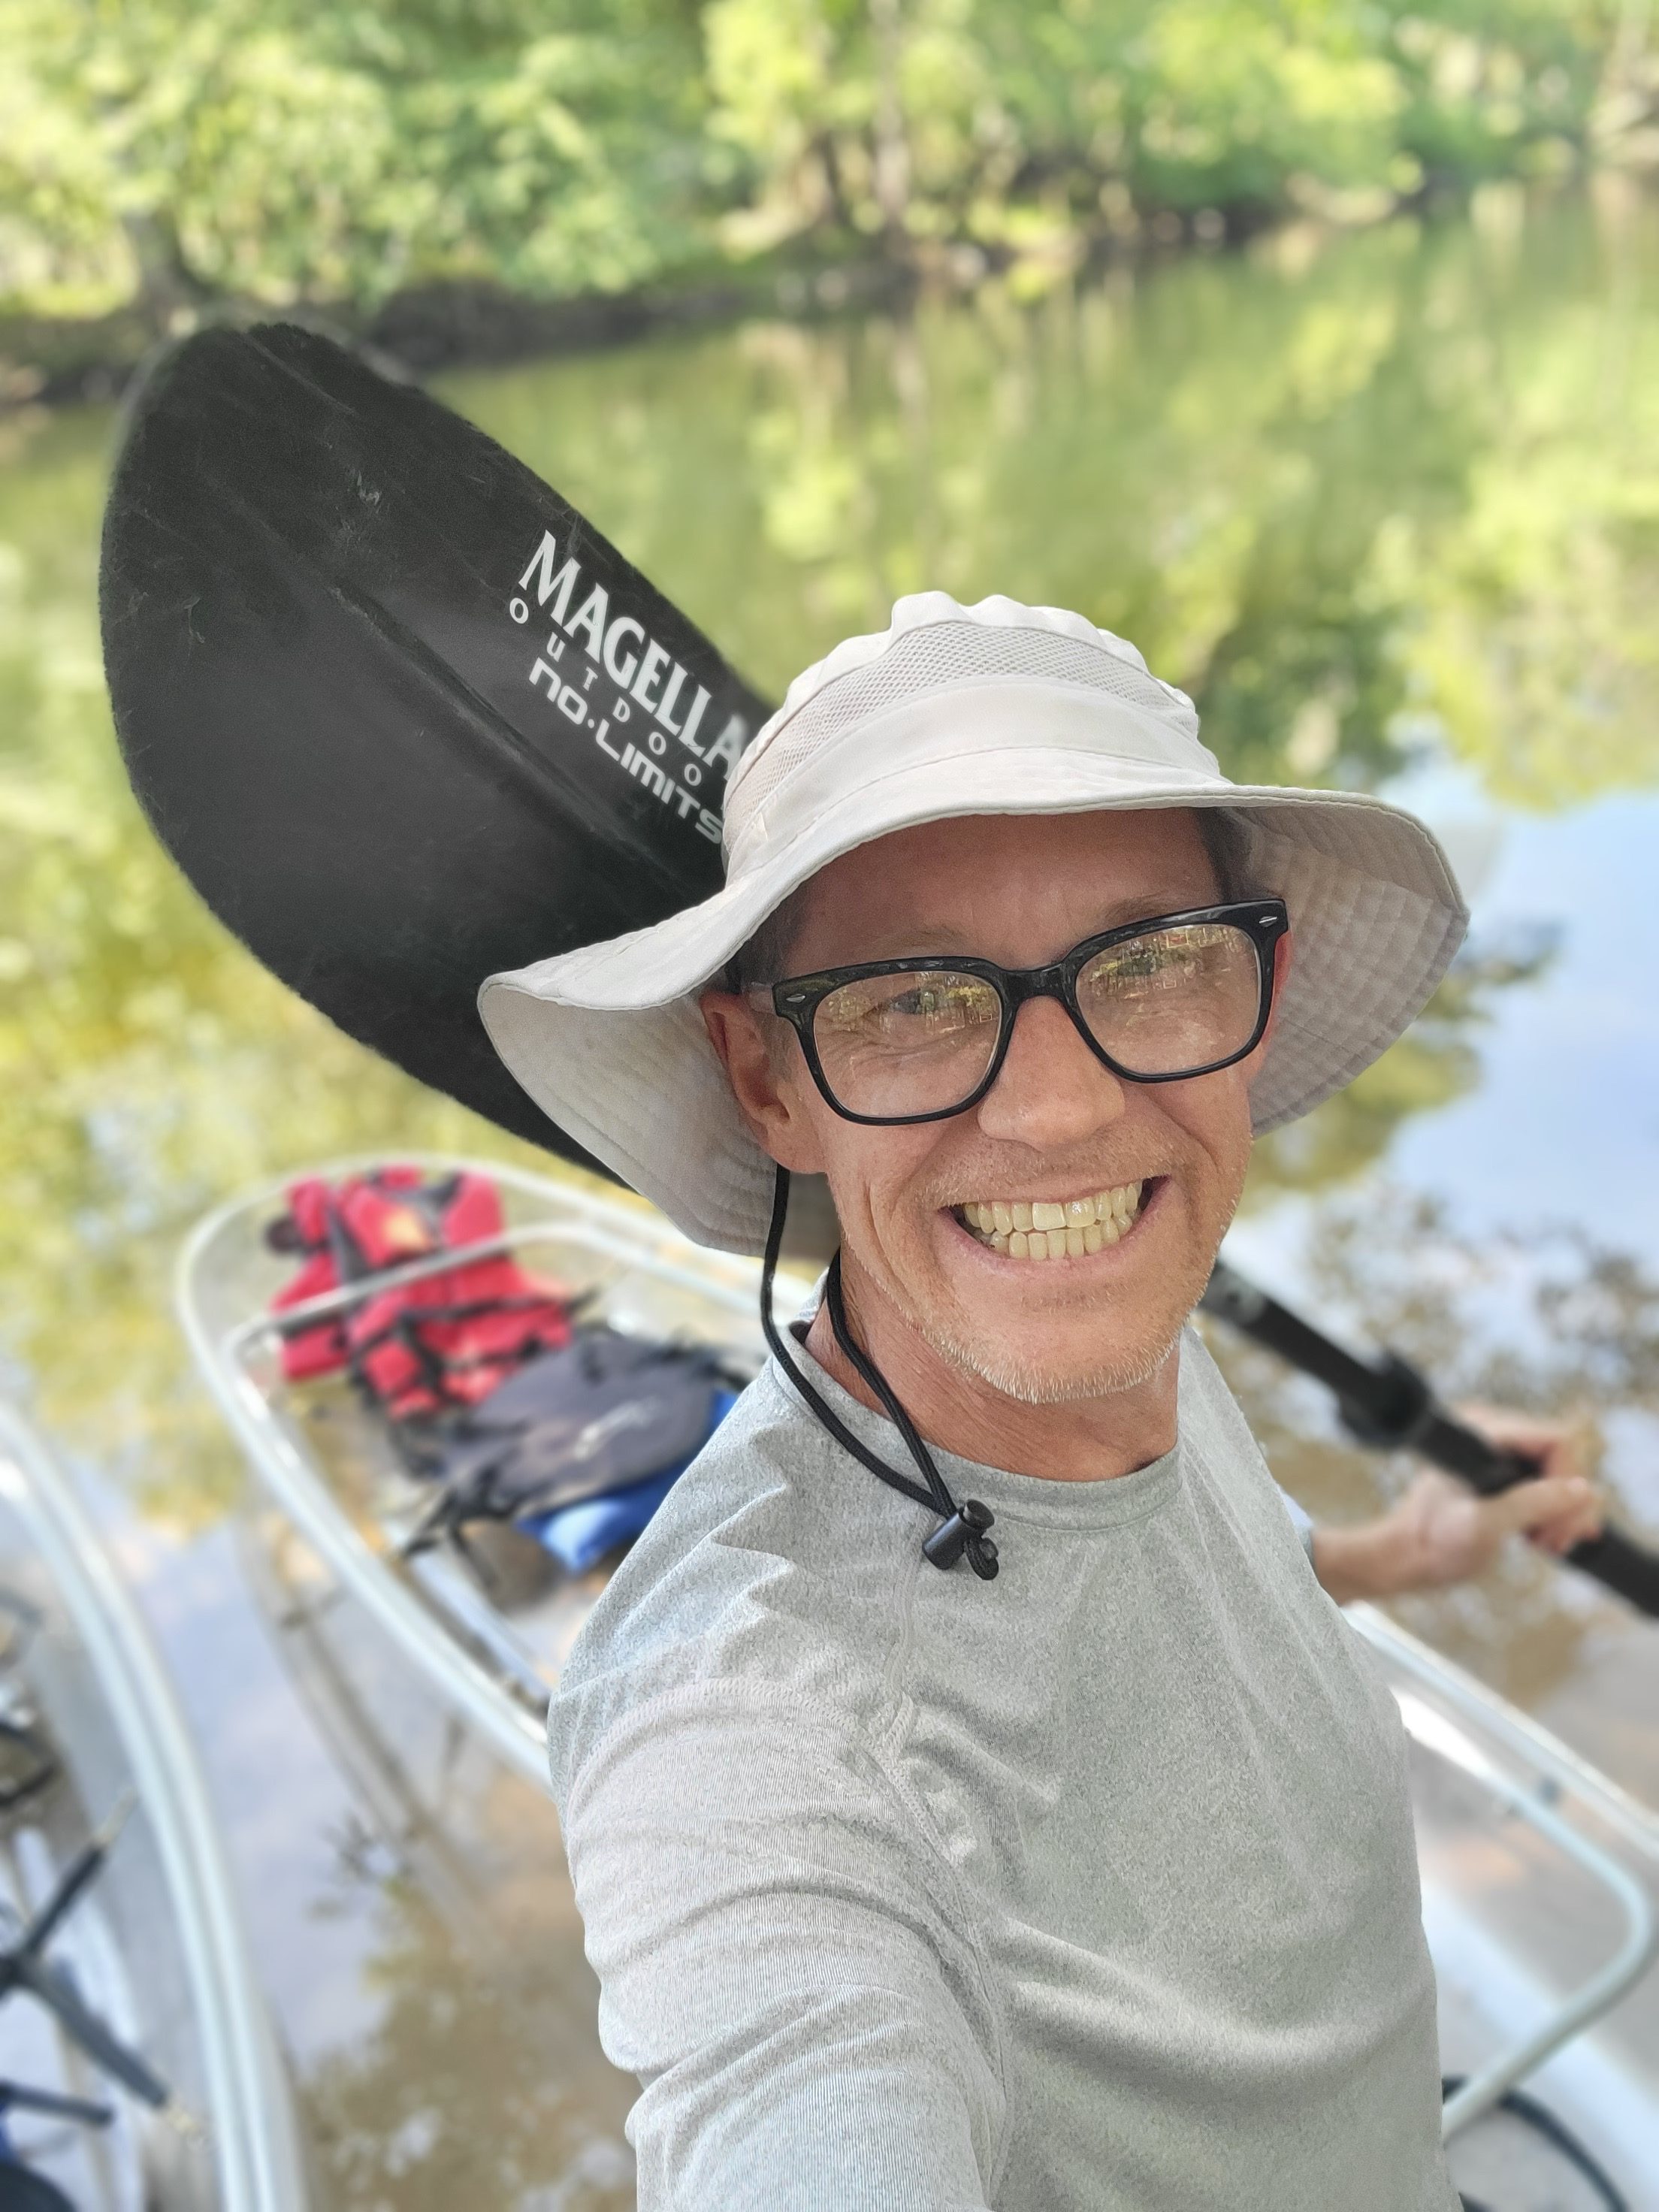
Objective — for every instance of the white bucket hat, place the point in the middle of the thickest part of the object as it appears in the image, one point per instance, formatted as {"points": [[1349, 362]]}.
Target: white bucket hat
{"points": [[995, 708]]}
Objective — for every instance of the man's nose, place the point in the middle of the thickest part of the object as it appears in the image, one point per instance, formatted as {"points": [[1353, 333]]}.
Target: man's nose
{"points": [[1051, 1090]]}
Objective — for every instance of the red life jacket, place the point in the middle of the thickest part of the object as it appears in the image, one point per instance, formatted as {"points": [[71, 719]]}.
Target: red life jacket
{"points": [[419, 1348]]}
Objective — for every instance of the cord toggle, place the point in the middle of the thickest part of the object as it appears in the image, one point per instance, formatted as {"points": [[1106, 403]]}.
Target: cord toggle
{"points": [[964, 1533]]}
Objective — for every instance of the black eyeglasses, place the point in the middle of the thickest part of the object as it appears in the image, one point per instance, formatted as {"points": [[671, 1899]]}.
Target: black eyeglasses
{"points": [[1156, 1002]]}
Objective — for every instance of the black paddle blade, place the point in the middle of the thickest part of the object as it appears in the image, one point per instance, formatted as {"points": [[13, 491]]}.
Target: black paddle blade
{"points": [[401, 714]]}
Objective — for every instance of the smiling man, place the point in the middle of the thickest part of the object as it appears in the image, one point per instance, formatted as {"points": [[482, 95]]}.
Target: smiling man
{"points": [[973, 1797]]}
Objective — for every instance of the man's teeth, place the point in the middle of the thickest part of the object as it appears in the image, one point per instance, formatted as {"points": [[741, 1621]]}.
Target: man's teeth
{"points": [[1046, 1229]]}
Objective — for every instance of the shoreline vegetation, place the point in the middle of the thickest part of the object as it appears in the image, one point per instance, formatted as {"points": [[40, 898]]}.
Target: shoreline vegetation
{"points": [[466, 183]]}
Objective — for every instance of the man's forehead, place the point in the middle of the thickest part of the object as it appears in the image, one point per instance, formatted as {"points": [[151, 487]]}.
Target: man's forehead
{"points": [[998, 885]]}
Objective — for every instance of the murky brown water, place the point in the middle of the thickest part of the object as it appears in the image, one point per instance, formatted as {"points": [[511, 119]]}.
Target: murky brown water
{"points": [[1389, 505]]}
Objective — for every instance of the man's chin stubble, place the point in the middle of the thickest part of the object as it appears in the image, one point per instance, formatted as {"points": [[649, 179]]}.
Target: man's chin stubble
{"points": [[1028, 1384]]}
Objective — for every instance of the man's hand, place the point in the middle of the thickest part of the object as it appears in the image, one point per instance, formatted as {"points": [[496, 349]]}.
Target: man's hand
{"points": [[1440, 1531]]}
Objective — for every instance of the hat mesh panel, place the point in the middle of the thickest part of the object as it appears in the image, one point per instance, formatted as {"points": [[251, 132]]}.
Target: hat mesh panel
{"points": [[941, 657]]}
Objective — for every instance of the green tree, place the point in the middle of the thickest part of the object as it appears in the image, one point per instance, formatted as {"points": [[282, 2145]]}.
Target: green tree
{"points": [[262, 150], [1013, 126], [175, 151]]}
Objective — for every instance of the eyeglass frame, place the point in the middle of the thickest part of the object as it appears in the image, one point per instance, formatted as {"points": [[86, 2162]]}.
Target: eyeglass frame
{"points": [[796, 999]]}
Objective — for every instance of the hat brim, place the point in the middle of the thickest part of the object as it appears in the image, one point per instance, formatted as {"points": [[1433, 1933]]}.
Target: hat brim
{"points": [[609, 1040]]}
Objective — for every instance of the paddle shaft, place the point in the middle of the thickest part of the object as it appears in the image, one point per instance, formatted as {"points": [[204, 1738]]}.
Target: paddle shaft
{"points": [[1386, 1404]]}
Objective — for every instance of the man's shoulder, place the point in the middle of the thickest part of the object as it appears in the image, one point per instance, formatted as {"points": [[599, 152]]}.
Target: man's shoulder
{"points": [[765, 1581], [1211, 1420], [1223, 1449]]}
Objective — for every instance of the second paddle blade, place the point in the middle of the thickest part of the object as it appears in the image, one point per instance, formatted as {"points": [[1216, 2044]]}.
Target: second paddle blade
{"points": [[400, 713]]}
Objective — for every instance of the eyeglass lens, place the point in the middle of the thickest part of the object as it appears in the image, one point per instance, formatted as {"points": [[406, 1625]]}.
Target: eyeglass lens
{"points": [[1173, 1001]]}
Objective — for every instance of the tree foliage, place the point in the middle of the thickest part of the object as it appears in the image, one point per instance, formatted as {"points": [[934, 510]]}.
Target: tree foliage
{"points": [[170, 151], [262, 149]]}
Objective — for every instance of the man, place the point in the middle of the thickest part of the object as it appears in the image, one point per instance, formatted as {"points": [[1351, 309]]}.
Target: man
{"points": [[972, 1797]]}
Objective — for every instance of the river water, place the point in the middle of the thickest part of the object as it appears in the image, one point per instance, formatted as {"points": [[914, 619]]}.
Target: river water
{"points": [[1388, 504]]}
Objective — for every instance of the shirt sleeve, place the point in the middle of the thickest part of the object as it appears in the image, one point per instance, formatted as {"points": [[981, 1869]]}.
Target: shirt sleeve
{"points": [[779, 1965]]}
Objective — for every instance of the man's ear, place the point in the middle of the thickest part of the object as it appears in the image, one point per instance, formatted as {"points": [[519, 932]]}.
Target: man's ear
{"points": [[769, 1078]]}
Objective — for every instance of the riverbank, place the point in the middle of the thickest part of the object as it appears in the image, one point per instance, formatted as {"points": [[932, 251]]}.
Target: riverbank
{"points": [[467, 185], [429, 328], [53, 362]]}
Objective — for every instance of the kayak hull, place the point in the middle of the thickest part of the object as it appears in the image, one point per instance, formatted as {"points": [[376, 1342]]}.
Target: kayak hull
{"points": [[156, 1944]]}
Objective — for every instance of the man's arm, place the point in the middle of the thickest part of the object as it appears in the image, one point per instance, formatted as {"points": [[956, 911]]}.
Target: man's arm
{"points": [[779, 1965], [1440, 1532]]}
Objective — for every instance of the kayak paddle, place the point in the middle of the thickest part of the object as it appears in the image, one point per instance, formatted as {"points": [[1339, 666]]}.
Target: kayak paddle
{"points": [[400, 712], [1389, 1405]]}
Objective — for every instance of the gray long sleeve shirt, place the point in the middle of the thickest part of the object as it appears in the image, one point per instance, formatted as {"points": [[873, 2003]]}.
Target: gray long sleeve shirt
{"points": [[1091, 1889]]}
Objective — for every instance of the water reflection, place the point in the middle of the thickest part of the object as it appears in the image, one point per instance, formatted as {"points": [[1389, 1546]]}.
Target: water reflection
{"points": [[457, 2098], [481, 2081], [1387, 505], [1404, 494]]}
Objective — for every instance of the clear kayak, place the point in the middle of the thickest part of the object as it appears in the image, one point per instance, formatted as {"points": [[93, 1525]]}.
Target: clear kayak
{"points": [[1540, 1877], [138, 2066]]}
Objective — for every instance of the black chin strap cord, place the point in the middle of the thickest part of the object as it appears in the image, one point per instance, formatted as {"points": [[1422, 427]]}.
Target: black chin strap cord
{"points": [[962, 1530]]}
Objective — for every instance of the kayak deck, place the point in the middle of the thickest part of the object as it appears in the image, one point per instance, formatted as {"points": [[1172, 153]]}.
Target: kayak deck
{"points": [[496, 1644]]}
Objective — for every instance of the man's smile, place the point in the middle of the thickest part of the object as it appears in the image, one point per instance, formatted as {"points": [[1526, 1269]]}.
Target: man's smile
{"points": [[1056, 1229]]}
